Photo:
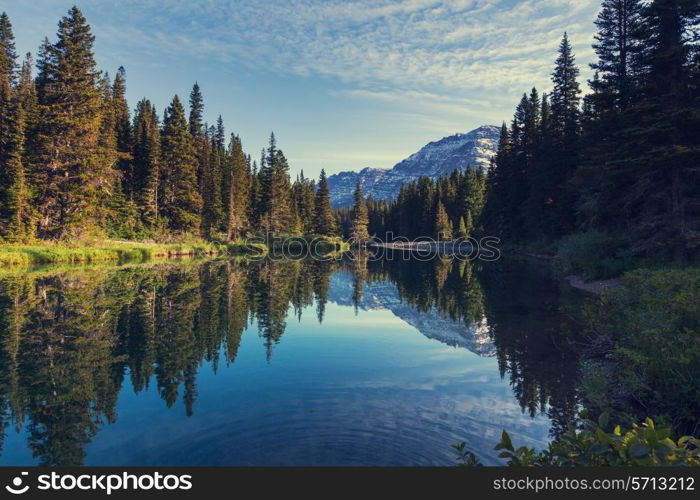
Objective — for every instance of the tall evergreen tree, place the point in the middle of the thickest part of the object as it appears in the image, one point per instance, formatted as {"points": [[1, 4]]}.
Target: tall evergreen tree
{"points": [[658, 161], [26, 92], [360, 219], [239, 192], [303, 194], [17, 209], [8, 121], [275, 192], [70, 169], [182, 202], [565, 102], [8, 55], [443, 228], [124, 134], [146, 162], [324, 220], [617, 45], [196, 127], [209, 161], [496, 217]]}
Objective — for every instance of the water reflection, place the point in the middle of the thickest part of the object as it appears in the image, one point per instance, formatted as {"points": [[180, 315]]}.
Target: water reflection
{"points": [[73, 341]]}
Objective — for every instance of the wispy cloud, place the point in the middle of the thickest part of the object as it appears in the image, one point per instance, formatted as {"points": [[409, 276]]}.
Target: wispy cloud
{"points": [[387, 75], [417, 45]]}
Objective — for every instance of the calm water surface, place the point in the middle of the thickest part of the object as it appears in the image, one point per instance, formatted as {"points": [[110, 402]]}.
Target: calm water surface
{"points": [[282, 363]]}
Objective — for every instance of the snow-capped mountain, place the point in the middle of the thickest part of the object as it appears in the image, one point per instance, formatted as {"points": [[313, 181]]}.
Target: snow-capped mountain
{"points": [[432, 324], [473, 149]]}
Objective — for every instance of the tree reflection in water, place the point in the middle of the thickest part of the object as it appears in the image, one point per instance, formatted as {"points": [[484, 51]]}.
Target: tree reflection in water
{"points": [[69, 339]]}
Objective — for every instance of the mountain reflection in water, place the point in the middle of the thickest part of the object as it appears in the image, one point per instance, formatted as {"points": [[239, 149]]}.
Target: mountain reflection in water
{"points": [[281, 362]]}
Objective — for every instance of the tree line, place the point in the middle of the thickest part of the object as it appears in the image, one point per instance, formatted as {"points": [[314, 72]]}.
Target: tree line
{"points": [[621, 160], [448, 207], [74, 164]]}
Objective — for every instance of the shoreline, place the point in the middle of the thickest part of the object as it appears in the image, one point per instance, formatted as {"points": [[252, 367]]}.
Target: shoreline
{"points": [[595, 287], [119, 251]]}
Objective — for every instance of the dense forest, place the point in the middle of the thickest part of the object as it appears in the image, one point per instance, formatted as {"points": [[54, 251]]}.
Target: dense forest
{"points": [[616, 169], [75, 164], [619, 164], [443, 208]]}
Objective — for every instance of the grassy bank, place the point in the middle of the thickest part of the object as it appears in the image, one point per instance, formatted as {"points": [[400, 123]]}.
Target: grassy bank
{"points": [[133, 251], [643, 356], [113, 251], [310, 245], [591, 255]]}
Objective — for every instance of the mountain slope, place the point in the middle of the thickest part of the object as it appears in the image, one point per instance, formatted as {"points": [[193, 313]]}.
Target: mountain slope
{"points": [[437, 158]]}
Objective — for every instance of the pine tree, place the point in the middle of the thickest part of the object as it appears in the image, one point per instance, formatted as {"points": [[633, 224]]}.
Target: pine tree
{"points": [[70, 170], [497, 216], [324, 220], [443, 228], [658, 160], [181, 201], [117, 215], [8, 118], [566, 113], [209, 162], [239, 192], [617, 45], [17, 210], [124, 134], [196, 112], [254, 200], [460, 229], [285, 219], [146, 162], [8, 55], [26, 92], [360, 219], [303, 194], [275, 192]]}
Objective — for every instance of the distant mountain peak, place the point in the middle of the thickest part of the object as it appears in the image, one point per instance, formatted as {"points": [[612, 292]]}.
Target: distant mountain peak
{"points": [[458, 151]]}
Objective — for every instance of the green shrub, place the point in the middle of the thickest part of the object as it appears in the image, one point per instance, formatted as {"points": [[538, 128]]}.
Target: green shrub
{"points": [[646, 338], [593, 445], [595, 255]]}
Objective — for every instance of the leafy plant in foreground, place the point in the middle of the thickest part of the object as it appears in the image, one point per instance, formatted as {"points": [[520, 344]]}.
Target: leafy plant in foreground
{"points": [[642, 445]]}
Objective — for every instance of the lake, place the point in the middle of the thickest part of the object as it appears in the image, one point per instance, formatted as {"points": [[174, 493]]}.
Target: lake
{"points": [[289, 362]]}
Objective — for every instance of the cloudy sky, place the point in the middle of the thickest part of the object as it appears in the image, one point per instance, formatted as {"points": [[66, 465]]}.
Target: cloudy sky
{"points": [[344, 84]]}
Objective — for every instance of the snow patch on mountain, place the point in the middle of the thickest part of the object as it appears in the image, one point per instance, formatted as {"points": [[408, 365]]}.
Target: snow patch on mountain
{"points": [[432, 324], [473, 149]]}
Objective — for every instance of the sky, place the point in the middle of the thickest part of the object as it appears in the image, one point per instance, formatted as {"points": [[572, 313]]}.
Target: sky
{"points": [[344, 84]]}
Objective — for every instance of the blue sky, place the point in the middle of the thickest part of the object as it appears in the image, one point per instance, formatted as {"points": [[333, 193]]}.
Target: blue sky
{"points": [[344, 84]]}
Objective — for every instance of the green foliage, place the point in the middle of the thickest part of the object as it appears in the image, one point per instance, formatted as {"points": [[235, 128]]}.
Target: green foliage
{"points": [[443, 228], [646, 336], [415, 212], [71, 168], [304, 195], [71, 153], [146, 177], [360, 218], [106, 251], [182, 202], [238, 189], [595, 254], [594, 445], [324, 220]]}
